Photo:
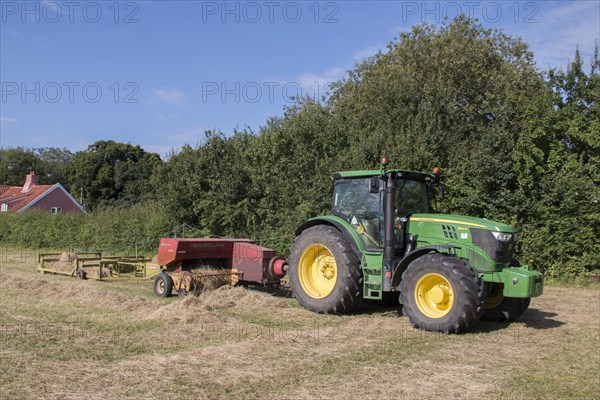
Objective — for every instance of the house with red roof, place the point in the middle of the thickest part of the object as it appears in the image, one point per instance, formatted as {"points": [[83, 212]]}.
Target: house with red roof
{"points": [[33, 196]]}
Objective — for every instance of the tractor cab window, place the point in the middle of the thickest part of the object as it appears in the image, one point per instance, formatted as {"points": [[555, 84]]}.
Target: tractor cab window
{"points": [[411, 198], [354, 200]]}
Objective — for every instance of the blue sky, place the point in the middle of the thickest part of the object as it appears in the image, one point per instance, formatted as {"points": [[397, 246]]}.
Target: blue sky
{"points": [[159, 73]]}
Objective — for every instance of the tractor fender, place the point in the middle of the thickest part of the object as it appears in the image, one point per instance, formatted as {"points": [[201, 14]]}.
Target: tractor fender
{"points": [[341, 225], [413, 255]]}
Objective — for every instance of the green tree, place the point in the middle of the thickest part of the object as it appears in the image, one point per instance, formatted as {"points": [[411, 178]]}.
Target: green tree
{"points": [[48, 163], [209, 186], [17, 162], [112, 173], [456, 97], [55, 161], [561, 170], [515, 144]]}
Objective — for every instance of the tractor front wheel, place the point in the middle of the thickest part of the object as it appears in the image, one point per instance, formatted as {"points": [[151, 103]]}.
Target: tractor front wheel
{"points": [[441, 293], [324, 272], [163, 285], [503, 309]]}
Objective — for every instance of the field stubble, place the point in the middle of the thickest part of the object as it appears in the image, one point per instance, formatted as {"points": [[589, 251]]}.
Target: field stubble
{"points": [[61, 338]]}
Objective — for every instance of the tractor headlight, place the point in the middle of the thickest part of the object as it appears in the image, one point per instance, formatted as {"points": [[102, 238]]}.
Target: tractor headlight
{"points": [[502, 236]]}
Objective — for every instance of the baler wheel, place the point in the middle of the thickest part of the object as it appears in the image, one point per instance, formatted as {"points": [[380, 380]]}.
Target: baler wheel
{"points": [[324, 271], [163, 285], [441, 293]]}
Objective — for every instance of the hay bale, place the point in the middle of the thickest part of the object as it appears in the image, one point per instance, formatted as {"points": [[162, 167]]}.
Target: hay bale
{"points": [[68, 257], [212, 282], [65, 263], [210, 278], [95, 272]]}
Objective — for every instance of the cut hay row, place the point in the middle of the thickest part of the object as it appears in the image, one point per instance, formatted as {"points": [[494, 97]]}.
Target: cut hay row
{"points": [[80, 291], [209, 301], [239, 343]]}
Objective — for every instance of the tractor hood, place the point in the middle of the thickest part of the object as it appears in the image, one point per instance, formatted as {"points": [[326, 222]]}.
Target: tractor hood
{"points": [[488, 245], [459, 220]]}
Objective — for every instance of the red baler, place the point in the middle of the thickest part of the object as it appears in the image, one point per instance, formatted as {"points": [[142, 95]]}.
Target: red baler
{"points": [[185, 261]]}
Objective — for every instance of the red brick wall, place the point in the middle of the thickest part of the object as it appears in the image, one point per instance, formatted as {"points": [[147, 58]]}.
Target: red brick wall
{"points": [[56, 198]]}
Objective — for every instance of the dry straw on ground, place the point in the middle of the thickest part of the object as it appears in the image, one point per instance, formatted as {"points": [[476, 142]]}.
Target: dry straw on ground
{"points": [[204, 306], [239, 297], [120, 342]]}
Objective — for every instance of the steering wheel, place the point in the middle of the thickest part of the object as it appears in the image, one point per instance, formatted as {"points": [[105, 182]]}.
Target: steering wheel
{"points": [[345, 206], [359, 212]]}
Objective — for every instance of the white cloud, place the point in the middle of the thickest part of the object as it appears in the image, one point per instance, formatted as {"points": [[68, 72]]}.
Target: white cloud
{"points": [[172, 140], [309, 84], [317, 84], [328, 76], [561, 29], [369, 52], [164, 151], [396, 31], [553, 32], [168, 117], [6, 120], [187, 136], [169, 95], [15, 34]]}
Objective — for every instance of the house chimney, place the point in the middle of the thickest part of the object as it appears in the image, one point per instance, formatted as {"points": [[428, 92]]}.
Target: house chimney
{"points": [[31, 181]]}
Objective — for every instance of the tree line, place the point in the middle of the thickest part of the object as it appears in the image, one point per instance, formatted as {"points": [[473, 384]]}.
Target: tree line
{"points": [[515, 144]]}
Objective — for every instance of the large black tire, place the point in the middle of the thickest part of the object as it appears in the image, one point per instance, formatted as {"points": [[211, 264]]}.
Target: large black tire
{"points": [[345, 288], [463, 294], [503, 309], [163, 285]]}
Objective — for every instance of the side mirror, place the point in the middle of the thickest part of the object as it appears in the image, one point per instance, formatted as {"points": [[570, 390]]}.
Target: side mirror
{"points": [[442, 192], [374, 184]]}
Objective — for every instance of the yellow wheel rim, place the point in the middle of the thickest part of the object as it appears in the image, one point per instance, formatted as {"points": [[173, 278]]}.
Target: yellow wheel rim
{"points": [[317, 271], [160, 286], [434, 295], [495, 297]]}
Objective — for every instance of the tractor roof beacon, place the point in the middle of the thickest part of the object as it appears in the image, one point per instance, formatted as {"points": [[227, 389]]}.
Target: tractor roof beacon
{"points": [[382, 242]]}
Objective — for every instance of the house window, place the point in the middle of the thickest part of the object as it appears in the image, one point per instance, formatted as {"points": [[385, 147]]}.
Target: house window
{"points": [[4, 207], [56, 210]]}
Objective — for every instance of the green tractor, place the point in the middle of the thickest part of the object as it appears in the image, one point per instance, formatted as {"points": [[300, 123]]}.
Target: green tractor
{"points": [[382, 242]]}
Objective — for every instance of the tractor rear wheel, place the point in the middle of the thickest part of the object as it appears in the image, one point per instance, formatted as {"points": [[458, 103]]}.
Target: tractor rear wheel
{"points": [[163, 285], [324, 271], [441, 293], [503, 309]]}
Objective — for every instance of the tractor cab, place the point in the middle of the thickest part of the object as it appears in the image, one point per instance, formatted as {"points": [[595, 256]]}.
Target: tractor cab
{"points": [[359, 198]]}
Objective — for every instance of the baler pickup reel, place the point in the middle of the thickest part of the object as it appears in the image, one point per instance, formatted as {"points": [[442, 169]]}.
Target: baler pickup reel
{"points": [[189, 266], [195, 281], [95, 266]]}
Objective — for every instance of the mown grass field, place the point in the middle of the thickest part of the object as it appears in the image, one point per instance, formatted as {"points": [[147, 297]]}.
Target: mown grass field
{"points": [[61, 338]]}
